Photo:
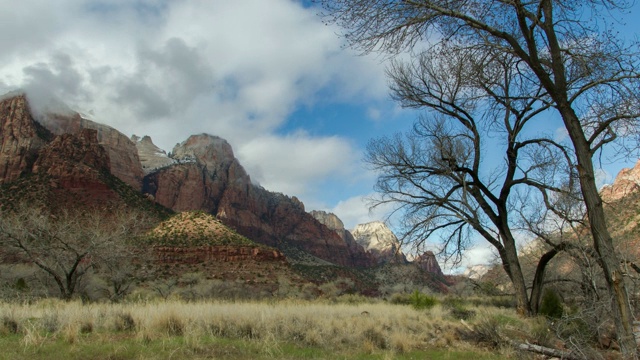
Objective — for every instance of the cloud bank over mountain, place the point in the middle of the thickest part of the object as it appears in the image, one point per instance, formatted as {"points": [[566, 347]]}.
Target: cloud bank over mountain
{"points": [[169, 69]]}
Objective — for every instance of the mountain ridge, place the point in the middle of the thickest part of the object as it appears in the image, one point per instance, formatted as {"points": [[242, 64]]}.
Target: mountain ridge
{"points": [[200, 174]]}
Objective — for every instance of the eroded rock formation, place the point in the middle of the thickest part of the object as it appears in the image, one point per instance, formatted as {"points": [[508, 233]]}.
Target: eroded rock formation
{"points": [[20, 138], [379, 241], [627, 181], [428, 262]]}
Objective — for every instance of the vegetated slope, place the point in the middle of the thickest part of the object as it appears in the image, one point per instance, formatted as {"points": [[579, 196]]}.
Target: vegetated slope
{"points": [[197, 243], [196, 228]]}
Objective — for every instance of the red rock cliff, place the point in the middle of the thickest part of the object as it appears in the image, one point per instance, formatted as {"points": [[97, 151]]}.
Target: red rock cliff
{"points": [[22, 135], [428, 262], [210, 178], [20, 138]]}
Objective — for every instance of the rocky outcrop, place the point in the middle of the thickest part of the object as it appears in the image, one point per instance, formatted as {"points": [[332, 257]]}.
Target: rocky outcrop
{"points": [[20, 138], [123, 154], [476, 272], [379, 241], [208, 177], [76, 163], [69, 153], [152, 158], [333, 222], [428, 262], [627, 181], [23, 135]]}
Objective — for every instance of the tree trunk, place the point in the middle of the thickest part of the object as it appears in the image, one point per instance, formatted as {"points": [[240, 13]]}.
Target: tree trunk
{"points": [[510, 257], [602, 240]]}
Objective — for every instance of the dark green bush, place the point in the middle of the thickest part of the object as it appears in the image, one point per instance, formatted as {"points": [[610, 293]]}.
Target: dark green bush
{"points": [[551, 305]]}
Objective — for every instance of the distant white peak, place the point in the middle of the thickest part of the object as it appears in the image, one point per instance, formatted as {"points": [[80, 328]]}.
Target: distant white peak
{"points": [[476, 271], [152, 158], [85, 116], [375, 235]]}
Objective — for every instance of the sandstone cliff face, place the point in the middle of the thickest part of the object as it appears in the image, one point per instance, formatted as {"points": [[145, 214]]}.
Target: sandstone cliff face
{"points": [[20, 138], [71, 153], [378, 240], [221, 253], [627, 181], [208, 177], [428, 262], [77, 166]]}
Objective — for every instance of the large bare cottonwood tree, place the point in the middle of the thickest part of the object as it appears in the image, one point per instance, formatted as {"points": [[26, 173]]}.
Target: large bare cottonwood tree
{"points": [[464, 167], [587, 76]]}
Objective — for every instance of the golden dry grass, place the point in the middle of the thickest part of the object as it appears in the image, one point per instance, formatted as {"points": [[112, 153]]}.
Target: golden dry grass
{"points": [[364, 328]]}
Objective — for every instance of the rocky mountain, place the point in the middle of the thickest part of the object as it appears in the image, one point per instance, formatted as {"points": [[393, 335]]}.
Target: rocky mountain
{"points": [[208, 177], [72, 157], [23, 134], [379, 241], [428, 262], [333, 222], [476, 272], [20, 138], [627, 181]]}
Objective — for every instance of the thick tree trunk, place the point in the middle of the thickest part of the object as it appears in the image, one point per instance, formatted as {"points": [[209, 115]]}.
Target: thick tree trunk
{"points": [[510, 257], [538, 279], [602, 240]]}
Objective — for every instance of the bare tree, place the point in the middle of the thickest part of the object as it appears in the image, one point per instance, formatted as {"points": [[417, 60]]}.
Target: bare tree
{"points": [[587, 75], [67, 245], [442, 177]]}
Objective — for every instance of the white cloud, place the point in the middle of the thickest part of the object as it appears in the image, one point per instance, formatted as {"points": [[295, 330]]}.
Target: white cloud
{"points": [[603, 177], [482, 253], [292, 164], [357, 210], [560, 135]]}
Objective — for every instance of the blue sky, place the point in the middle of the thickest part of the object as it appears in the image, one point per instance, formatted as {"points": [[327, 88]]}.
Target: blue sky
{"points": [[268, 76]]}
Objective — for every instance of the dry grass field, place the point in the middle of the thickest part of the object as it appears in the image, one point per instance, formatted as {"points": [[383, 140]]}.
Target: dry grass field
{"points": [[52, 329]]}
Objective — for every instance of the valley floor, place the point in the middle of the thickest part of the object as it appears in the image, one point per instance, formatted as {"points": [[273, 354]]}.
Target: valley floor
{"points": [[51, 329]]}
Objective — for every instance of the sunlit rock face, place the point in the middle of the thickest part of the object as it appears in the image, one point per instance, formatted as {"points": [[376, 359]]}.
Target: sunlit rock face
{"points": [[152, 158], [379, 241], [627, 182]]}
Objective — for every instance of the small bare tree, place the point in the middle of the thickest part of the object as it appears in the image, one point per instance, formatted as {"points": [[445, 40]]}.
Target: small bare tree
{"points": [[67, 245]]}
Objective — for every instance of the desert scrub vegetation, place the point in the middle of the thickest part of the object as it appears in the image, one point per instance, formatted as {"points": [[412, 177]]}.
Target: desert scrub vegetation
{"points": [[195, 228], [283, 329]]}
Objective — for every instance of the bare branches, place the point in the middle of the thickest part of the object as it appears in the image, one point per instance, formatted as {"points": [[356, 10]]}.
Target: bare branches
{"points": [[68, 245]]}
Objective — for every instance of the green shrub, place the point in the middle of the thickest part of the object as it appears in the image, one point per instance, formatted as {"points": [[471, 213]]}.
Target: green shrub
{"points": [[551, 305], [421, 301]]}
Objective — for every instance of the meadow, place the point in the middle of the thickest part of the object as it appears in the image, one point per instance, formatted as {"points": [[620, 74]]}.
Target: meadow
{"points": [[283, 329]]}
